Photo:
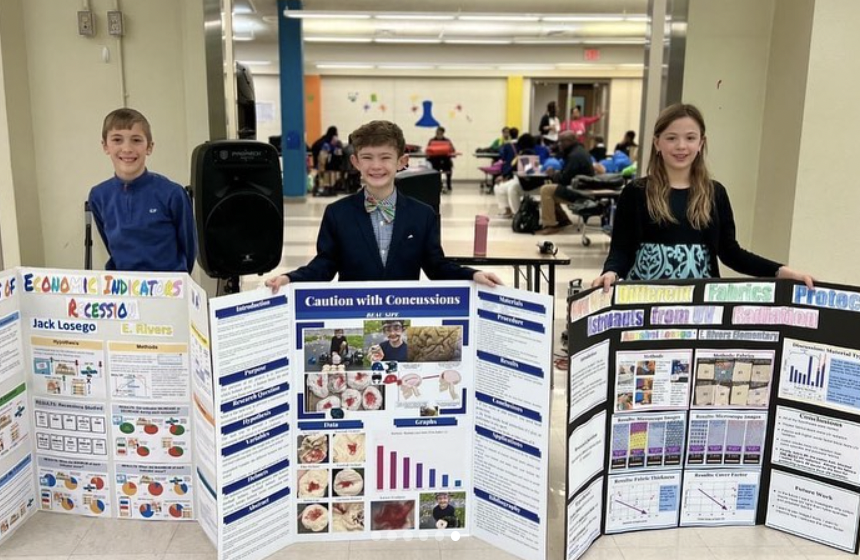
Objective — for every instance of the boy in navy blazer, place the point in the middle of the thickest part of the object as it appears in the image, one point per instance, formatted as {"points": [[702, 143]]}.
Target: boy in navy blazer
{"points": [[377, 234]]}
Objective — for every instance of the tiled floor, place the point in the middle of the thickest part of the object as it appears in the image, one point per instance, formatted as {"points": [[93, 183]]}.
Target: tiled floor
{"points": [[58, 537]]}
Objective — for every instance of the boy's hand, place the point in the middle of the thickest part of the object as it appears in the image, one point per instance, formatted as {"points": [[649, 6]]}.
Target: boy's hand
{"points": [[276, 282], [487, 279]]}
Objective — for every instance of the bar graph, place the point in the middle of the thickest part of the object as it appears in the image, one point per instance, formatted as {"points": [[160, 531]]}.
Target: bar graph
{"points": [[399, 470], [806, 368]]}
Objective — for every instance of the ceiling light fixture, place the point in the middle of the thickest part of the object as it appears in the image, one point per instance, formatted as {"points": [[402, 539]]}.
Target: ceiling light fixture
{"points": [[548, 41], [255, 62], [415, 17], [477, 41], [302, 14], [414, 40], [586, 19], [487, 17], [338, 39], [405, 66], [344, 66]]}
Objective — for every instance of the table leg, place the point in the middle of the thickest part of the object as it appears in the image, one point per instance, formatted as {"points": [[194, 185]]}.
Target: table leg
{"points": [[551, 279], [537, 278], [517, 276]]}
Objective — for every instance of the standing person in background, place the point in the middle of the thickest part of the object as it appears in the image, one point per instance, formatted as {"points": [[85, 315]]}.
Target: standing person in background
{"points": [[144, 219], [550, 125], [579, 124], [440, 155], [628, 145], [676, 222]]}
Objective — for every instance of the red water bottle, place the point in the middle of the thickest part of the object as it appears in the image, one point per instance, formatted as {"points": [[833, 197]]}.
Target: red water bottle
{"points": [[481, 225]]}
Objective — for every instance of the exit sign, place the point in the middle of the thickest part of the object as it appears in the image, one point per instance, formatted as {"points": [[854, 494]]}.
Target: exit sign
{"points": [[592, 54]]}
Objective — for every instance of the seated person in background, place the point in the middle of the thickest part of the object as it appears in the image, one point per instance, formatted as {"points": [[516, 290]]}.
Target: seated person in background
{"points": [[508, 156], [444, 161], [144, 218], [358, 239], [598, 152], [578, 124], [498, 142], [628, 145], [541, 150], [509, 193], [394, 348], [576, 162]]}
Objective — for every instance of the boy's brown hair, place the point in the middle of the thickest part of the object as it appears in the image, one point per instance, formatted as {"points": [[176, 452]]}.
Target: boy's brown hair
{"points": [[125, 119], [379, 133]]}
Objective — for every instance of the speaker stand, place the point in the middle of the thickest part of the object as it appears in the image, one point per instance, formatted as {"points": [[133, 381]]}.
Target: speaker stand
{"points": [[228, 286]]}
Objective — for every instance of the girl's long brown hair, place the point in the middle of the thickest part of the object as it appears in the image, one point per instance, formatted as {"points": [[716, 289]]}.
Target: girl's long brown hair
{"points": [[658, 189]]}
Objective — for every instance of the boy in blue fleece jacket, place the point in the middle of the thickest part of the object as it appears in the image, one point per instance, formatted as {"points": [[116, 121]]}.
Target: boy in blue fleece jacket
{"points": [[144, 219]]}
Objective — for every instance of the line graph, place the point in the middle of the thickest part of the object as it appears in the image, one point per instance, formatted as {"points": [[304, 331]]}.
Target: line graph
{"points": [[715, 498], [640, 501]]}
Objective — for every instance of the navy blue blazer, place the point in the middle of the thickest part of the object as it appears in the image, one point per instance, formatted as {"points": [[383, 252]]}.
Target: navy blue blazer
{"points": [[346, 246]]}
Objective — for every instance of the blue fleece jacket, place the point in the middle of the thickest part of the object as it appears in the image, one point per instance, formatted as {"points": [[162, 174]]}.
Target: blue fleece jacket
{"points": [[146, 224]]}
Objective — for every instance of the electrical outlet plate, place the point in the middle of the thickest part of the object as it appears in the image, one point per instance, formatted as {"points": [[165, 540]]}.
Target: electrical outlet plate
{"points": [[114, 19], [86, 23]]}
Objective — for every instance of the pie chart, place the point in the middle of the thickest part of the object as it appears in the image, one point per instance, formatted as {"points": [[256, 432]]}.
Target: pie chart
{"points": [[129, 488], [180, 488], [176, 451], [151, 429], [71, 483], [126, 428], [155, 488], [49, 480], [67, 503], [143, 451], [176, 510], [98, 482], [146, 511], [177, 429], [97, 507]]}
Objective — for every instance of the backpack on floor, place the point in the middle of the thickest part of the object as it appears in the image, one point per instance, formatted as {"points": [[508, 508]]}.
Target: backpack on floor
{"points": [[527, 218]]}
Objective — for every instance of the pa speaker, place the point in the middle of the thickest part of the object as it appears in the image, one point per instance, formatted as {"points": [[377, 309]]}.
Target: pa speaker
{"points": [[236, 185]]}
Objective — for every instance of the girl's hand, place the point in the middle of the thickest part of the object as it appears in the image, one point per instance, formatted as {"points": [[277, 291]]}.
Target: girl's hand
{"points": [[606, 280], [786, 273]]}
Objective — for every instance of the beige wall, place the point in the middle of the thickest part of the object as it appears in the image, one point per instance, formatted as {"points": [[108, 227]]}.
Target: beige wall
{"points": [[728, 43], [782, 125], [71, 88], [825, 225]]}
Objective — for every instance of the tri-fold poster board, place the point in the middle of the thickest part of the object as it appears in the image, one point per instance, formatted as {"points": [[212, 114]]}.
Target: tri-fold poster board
{"points": [[323, 412], [714, 402]]}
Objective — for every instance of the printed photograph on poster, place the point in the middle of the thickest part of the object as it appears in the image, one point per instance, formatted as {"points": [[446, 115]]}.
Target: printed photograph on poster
{"points": [[392, 515], [402, 340], [335, 349], [592, 303], [151, 434], [67, 367], [583, 520], [154, 492], [818, 444], [73, 429], [720, 497], [11, 350], [155, 370], [642, 501], [313, 449], [732, 378], [313, 518], [813, 510], [313, 484], [656, 379], [586, 452], [821, 374], [347, 517], [589, 379], [726, 439], [442, 510], [647, 441], [14, 419], [74, 486], [349, 448], [352, 391], [347, 483]]}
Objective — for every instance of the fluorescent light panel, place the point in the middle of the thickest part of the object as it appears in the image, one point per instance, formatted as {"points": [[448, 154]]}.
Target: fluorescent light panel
{"points": [[488, 17], [405, 66], [478, 41], [415, 17], [301, 14], [415, 40], [338, 39], [344, 65], [584, 19]]}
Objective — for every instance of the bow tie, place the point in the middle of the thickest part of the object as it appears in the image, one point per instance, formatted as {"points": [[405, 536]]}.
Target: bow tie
{"points": [[385, 206]]}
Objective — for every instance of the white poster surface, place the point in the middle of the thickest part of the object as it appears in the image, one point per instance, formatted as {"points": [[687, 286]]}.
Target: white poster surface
{"points": [[733, 378], [726, 438], [75, 486], [720, 497], [652, 380], [642, 501], [819, 444], [586, 452], [821, 374], [583, 520], [11, 352], [813, 510], [68, 367], [154, 491], [149, 370], [647, 440], [151, 433], [17, 498], [72, 429], [589, 379], [14, 420]]}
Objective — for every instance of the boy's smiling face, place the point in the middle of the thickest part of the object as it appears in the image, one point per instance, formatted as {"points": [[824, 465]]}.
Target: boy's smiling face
{"points": [[378, 165], [128, 150]]}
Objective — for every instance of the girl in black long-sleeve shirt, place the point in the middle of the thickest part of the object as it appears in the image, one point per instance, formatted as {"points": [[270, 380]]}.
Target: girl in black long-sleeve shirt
{"points": [[676, 222]]}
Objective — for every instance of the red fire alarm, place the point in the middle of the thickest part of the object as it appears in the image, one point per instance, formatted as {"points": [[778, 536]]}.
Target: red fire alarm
{"points": [[592, 54]]}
